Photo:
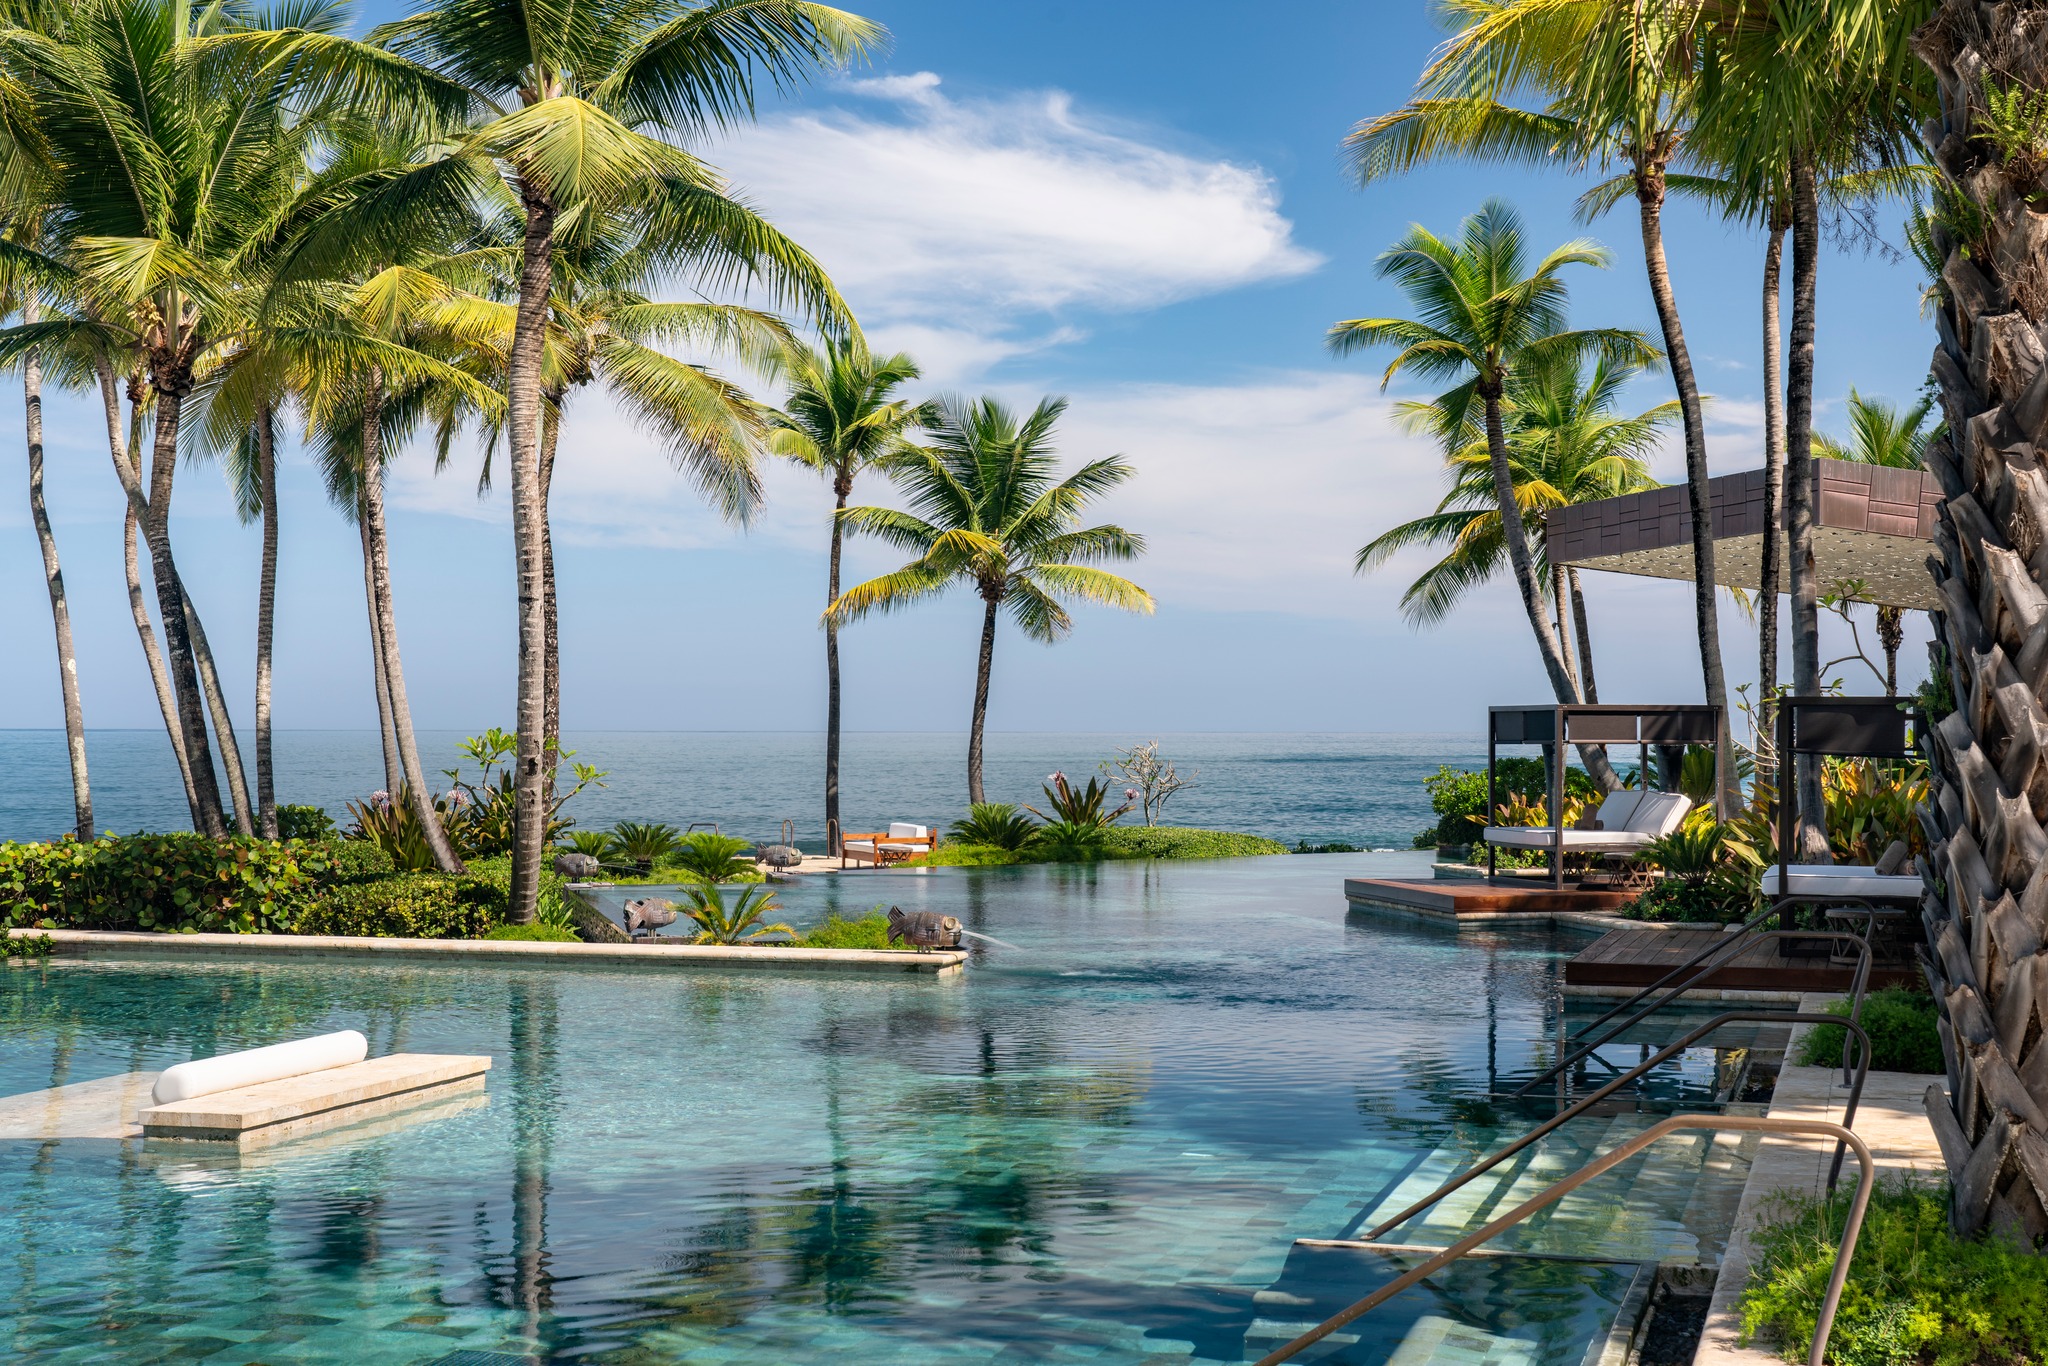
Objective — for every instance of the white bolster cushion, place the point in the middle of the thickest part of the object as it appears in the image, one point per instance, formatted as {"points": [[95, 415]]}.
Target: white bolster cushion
{"points": [[253, 1067]]}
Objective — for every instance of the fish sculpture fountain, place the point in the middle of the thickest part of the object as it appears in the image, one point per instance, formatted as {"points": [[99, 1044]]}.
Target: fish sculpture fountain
{"points": [[577, 866], [780, 855], [647, 915], [923, 930]]}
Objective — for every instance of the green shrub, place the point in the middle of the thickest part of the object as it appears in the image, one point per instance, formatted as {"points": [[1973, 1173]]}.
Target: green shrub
{"points": [[1333, 847], [39, 948], [304, 823], [1677, 900], [1458, 796], [958, 855], [708, 856], [535, 933], [1903, 1037], [738, 923], [348, 858], [871, 931], [1180, 841], [406, 906], [177, 881], [1916, 1294], [998, 825]]}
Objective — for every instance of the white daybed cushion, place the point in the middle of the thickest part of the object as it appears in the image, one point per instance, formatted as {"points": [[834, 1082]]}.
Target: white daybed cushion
{"points": [[1543, 837], [1840, 879], [1615, 812], [1659, 813]]}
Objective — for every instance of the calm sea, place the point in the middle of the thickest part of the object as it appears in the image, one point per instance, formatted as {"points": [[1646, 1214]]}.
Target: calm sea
{"points": [[1361, 789]]}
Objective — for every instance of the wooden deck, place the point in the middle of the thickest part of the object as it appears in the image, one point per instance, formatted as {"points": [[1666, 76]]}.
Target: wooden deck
{"points": [[1459, 898], [1638, 957]]}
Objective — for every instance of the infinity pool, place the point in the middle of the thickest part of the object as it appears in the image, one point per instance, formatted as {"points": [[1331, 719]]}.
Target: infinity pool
{"points": [[1098, 1145]]}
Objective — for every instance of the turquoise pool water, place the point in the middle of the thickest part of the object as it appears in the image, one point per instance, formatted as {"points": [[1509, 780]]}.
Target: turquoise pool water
{"points": [[1098, 1146]]}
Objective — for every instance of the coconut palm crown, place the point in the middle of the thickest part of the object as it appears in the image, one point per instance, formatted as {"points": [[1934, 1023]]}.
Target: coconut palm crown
{"points": [[988, 510]]}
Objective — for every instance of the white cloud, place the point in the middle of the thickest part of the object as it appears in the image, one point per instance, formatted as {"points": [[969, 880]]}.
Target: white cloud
{"points": [[967, 213]]}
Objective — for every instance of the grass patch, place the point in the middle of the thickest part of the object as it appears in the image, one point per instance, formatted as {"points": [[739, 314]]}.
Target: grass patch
{"points": [[970, 856], [535, 934], [1917, 1296], [1903, 1037], [871, 931], [1119, 842]]}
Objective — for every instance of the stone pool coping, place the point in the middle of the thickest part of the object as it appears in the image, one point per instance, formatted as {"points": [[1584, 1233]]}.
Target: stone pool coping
{"points": [[124, 944]]}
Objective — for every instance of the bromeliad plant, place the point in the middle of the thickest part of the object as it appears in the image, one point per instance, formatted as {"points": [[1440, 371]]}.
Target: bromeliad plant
{"points": [[718, 924], [1077, 827], [995, 825]]}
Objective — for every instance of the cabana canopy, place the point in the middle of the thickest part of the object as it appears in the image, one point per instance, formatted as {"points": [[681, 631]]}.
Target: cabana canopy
{"points": [[1873, 524]]}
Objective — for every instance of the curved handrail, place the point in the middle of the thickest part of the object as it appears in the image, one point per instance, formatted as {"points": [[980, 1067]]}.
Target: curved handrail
{"points": [[1823, 1325], [1670, 1051], [1856, 987]]}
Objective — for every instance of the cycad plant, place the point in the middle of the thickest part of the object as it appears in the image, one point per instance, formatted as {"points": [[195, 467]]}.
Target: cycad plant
{"points": [[579, 103], [987, 511], [995, 825], [712, 857], [718, 923], [642, 843]]}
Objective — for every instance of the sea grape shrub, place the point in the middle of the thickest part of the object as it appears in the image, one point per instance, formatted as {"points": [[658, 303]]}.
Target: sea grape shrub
{"points": [[1903, 1034], [406, 906], [177, 881], [304, 823]]}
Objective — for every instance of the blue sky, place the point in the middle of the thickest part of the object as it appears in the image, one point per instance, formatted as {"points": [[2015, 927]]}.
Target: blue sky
{"points": [[1138, 205]]}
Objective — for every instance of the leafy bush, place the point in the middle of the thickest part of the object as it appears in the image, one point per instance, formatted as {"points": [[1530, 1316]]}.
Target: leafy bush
{"points": [[595, 843], [719, 924], [1070, 842], [406, 906], [304, 823], [962, 855], [536, 933], [710, 857], [348, 858], [1333, 847], [1870, 803], [995, 825], [1916, 1293], [1676, 900], [1903, 1037], [642, 842], [1077, 806], [1458, 796], [176, 881], [1179, 841], [871, 931], [394, 826], [40, 948]]}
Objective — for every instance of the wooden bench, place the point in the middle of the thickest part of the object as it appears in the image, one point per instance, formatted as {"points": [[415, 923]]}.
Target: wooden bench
{"points": [[316, 1100]]}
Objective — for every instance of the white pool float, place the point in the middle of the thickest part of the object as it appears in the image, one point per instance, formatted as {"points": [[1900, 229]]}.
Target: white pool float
{"points": [[254, 1066]]}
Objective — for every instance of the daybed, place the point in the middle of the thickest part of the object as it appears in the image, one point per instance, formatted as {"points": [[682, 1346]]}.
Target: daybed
{"points": [[899, 842]]}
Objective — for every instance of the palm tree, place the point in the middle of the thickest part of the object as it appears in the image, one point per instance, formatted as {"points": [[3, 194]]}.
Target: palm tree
{"points": [[988, 511], [1614, 91], [1482, 315], [841, 419], [572, 99], [1566, 445], [1882, 433], [1984, 966]]}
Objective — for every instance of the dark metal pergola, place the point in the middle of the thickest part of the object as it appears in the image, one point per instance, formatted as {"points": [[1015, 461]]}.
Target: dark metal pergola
{"points": [[1666, 726]]}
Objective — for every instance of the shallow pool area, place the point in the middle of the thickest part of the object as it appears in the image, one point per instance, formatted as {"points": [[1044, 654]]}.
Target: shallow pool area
{"points": [[1099, 1145]]}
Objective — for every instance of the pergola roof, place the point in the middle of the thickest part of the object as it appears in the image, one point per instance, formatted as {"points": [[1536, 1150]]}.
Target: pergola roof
{"points": [[1874, 524]]}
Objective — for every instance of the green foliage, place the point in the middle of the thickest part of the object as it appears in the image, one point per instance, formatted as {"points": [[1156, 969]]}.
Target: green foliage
{"points": [[394, 826], [1176, 841], [711, 857], [1070, 842], [995, 825], [406, 906], [719, 924], [1458, 796], [177, 881], [304, 823], [959, 854], [1916, 1296], [479, 812], [1677, 900], [536, 933], [1334, 847], [595, 843], [642, 843], [1077, 806], [1901, 1024], [39, 948], [871, 931], [1936, 696], [2015, 123], [1870, 803], [348, 858]]}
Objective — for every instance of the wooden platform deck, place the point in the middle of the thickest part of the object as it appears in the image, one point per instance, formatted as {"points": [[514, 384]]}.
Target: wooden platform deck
{"points": [[1461, 899], [1638, 957]]}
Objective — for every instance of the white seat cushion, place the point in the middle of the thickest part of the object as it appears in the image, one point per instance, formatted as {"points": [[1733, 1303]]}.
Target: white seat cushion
{"points": [[1615, 811], [1659, 813], [901, 829], [1840, 879], [1543, 837]]}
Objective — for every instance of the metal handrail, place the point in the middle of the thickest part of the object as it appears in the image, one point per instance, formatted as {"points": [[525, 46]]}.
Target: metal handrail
{"points": [[1823, 1325], [1670, 1051], [1714, 945], [1856, 987]]}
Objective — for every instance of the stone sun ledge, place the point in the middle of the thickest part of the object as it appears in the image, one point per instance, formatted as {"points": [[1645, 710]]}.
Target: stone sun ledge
{"points": [[116, 944]]}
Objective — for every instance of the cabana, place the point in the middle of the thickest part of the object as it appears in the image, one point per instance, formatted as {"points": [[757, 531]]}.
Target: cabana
{"points": [[1627, 820], [1841, 727]]}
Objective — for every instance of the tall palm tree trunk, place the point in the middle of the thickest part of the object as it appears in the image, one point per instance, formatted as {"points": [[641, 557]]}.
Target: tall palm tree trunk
{"points": [[1891, 634], [53, 577], [1592, 690], [1770, 575], [1986, 917], [266, 619], [984, 667], [1565, 634], [551, 707], [842, 489], [522, 402], [170, 602], [394, 773], [1706, 608], [223, 724], [1799, 496], [386, 633]]}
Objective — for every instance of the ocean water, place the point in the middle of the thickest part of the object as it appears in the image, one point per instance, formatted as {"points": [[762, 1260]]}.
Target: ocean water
{"points": [[1363, 789]]}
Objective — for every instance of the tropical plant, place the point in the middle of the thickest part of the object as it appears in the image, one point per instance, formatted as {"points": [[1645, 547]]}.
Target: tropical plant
{"points": [[641, 843], [987, 511], [1482, 313], [1153, 780], [574, 96], [596, 843], [1870, 803], [1886, 434], [842, 418], [1566, 445], [392, 823], [994, 825], [1078, 805], [482, 810], [712, 857], [1064, 841], [717, 924]]}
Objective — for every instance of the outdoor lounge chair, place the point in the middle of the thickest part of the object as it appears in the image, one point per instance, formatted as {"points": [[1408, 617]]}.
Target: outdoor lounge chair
{"points": [[1628, 820], [899, 842]]}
